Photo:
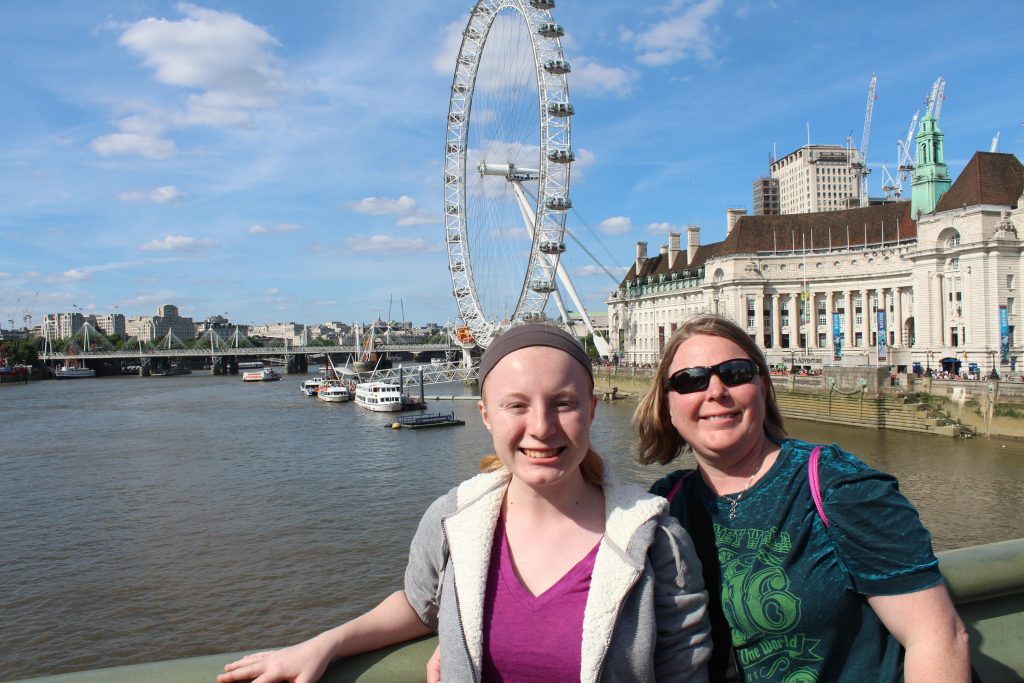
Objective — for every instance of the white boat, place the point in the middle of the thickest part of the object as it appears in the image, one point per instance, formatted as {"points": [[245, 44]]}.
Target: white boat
{"points": [[379, 397], [250, 364], [311, 386], [70, 372], [264, 375], [333, 392]]}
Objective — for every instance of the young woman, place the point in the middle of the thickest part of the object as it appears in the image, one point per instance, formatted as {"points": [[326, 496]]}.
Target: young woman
{"points": [[841, 589], [541, 568]]}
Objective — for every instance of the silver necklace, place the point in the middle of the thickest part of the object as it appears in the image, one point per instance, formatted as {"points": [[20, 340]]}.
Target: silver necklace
{"points": [[733, 502]]}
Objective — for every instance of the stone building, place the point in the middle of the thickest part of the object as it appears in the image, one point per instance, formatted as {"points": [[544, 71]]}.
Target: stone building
{"points": [[817, 178], [861, 286]]}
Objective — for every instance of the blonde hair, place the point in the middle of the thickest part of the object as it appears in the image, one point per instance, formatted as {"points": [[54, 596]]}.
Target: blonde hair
{"points": [[658, 441], [592, 467]]}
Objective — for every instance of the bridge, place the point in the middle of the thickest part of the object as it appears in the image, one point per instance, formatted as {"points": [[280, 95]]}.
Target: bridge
{"points": [[239, 352]]}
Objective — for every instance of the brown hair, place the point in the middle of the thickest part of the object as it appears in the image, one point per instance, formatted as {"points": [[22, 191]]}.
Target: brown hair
{"points": [[658, 441], [592, 467]]}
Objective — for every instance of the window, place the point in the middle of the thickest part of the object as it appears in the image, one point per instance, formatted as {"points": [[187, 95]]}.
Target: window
{"points": [[1009, 281]]}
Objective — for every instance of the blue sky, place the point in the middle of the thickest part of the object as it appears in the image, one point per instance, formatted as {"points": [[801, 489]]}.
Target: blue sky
{"points": [[283, 162]]}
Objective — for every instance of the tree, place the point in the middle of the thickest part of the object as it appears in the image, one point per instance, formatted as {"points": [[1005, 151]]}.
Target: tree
{"points": [[19, 352]]}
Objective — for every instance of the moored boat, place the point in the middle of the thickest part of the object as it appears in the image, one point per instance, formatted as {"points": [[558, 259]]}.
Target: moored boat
{"points": [[71, 372], [334, 392], [310, 387], [264, 375], [379, 397]]}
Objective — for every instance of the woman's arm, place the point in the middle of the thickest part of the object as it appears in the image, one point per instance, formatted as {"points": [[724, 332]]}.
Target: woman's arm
{"points": [[927, 626], [684, 633], [392, 621]]}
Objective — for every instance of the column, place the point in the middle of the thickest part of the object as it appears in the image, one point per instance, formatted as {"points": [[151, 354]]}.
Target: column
{"points": [[776, 320], [882, 306], [865, 307], [938, 331], [829, 337], [848, 317], [897, 313], [794, 320], [812, 320], [759, 318]]}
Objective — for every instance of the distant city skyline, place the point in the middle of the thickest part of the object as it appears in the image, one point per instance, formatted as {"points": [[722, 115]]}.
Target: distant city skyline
{"points": [[236, 158]]}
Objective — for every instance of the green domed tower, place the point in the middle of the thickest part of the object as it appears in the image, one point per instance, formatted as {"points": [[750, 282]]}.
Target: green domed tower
{"points": [[931, 177]]}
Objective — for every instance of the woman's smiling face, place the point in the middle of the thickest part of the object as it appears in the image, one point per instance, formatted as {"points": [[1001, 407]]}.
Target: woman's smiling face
{"points": [[538, 405], [721, 423]]}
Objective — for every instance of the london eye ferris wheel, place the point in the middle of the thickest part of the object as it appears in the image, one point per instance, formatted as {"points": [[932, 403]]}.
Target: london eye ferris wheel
{"points": [[507, 164]]}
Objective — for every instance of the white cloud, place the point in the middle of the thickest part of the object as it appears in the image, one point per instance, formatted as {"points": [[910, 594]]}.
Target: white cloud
{"points": [[227, 59], [386, 244], [380, 206], [5, 276], [404, 206], [158, 195], [419, 217], [682, 35], [77, 275], [220, 53], [178, 243], [444, 61], [662, 228], [132, 143], [616, 225], [279, 227], [592, 78]]}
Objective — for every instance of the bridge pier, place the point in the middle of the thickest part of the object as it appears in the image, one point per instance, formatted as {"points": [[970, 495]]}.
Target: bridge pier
{"points": [[298, 364]]}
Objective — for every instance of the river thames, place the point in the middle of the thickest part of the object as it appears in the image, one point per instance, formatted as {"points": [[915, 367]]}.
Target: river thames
{"points": [[144, 519]]}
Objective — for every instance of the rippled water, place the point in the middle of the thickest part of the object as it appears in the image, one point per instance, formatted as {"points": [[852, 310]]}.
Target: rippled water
{"points": [[153, 518]]}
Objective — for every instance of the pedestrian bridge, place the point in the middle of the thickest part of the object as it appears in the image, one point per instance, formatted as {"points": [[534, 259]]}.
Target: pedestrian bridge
{"points": [[237, 352]]}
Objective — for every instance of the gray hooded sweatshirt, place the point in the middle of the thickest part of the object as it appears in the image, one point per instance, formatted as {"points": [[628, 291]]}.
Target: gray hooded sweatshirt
{"points": [[645, 616]]}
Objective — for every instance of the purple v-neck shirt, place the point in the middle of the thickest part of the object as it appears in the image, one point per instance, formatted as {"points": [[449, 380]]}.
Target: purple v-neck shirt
{"points": [[527, 637]]}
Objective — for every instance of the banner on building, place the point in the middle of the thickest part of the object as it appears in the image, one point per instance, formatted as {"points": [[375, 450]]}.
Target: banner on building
{"points": [[1004, 335], [882, 337], [837, 336]]}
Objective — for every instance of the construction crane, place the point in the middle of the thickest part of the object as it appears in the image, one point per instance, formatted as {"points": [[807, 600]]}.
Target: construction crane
{"points": [[890, 185], [936, 97], [862, 163], [994, 147], [906, 159]]}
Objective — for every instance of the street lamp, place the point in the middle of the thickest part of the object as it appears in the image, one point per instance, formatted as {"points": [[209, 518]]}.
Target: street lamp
{"points": [[993, 374]]}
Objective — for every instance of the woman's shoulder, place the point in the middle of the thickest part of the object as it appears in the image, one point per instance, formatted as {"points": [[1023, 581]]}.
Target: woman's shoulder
{"points": [[466, 493], [831, 457], [664, 486]]}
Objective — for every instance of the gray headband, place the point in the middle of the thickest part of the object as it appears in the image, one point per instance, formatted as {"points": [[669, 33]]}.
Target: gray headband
{"points": [[534, 334]]}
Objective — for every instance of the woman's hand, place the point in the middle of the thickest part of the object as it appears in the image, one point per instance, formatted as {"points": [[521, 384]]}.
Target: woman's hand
{"points": [[302, 663], [434, 666]]}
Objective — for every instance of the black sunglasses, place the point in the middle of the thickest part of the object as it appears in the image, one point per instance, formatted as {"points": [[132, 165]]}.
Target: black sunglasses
{"points": [[732, 373]]}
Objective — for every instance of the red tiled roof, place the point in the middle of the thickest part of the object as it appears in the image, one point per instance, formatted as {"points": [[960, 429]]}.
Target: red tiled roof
{"points": [[770, 234], [988, 178]]}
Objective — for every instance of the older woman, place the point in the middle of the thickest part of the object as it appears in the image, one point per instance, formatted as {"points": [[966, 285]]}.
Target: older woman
{"points": [[542, 568], [818, 568]]}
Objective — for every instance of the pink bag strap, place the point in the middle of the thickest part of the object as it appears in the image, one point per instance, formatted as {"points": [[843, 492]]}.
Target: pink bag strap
{"points": [[675, 489], [815, 484]]}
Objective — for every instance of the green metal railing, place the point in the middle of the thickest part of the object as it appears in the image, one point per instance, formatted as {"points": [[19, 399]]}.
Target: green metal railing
{"points": [[986, 582]]}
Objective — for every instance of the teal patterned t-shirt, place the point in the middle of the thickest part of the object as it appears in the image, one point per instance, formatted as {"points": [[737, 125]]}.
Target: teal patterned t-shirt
{"points": [[793, 591]]}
